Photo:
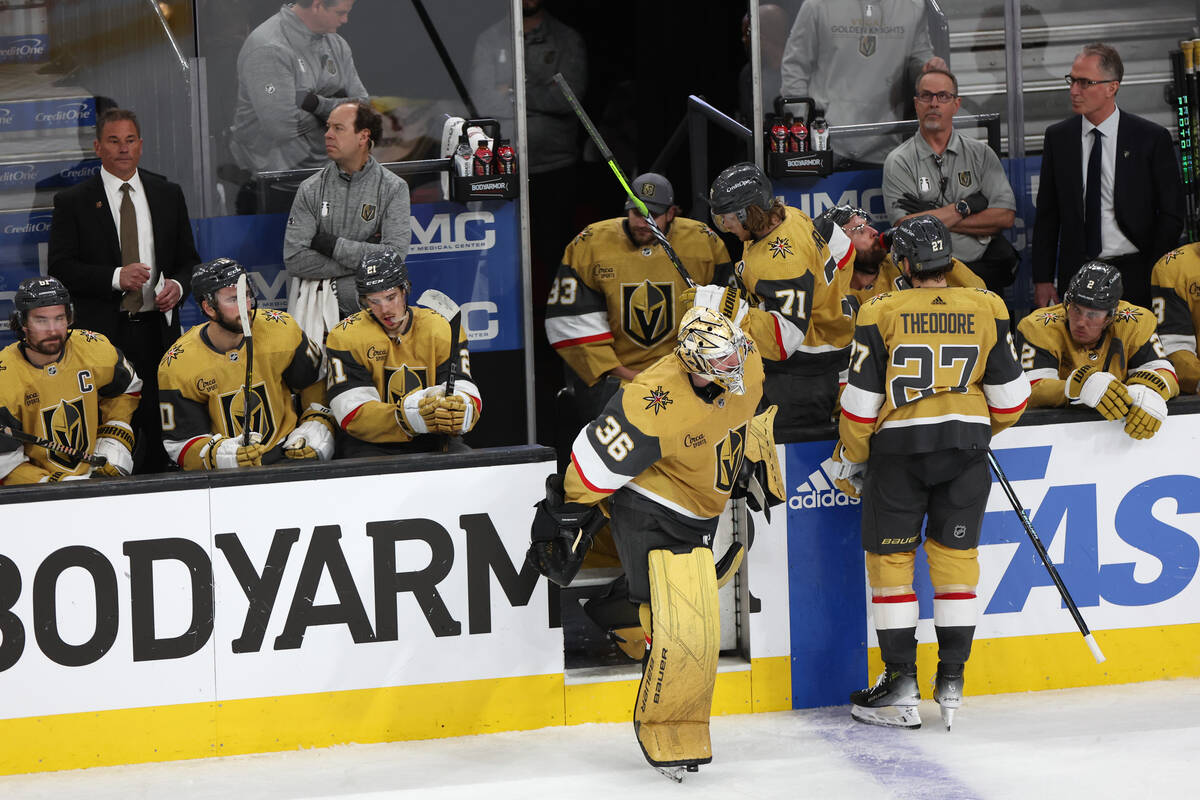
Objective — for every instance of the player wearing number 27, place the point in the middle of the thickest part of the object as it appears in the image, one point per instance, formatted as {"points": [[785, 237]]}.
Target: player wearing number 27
{"points": [[933, 376]]}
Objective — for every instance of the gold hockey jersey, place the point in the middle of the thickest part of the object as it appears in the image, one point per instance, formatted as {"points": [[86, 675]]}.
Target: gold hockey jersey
{"points": [[201, 391], [370, 372], [889, 279], [1049, 354], [65, 402], [1175, 292], [930, 369], [615, 303], [661, 439], [798, 316]]}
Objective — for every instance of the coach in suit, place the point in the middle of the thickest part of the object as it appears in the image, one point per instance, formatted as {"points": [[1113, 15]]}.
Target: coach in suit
{"points": [[122, 244], [1121, 202]]}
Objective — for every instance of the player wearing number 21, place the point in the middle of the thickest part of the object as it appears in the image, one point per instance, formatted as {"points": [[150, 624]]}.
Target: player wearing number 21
{"points": [[933, 376]]}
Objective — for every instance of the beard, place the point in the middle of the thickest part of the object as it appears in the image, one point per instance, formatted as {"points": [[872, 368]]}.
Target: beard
{"points": [[232, 325], [868, 261], [50, 346]]}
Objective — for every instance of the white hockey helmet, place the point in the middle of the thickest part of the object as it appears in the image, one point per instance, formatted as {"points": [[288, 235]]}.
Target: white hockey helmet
{"points": [[712, 347]]}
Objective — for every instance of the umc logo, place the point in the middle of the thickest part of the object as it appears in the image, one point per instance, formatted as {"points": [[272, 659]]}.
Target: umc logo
{"points": [[468, 230]]}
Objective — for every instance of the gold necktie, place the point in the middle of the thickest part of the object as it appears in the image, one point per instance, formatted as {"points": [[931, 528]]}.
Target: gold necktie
{"points": [[131, 301]]}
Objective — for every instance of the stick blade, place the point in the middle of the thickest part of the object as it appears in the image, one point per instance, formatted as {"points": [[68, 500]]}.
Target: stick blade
{"points": [[439, 302], [243, 291]]}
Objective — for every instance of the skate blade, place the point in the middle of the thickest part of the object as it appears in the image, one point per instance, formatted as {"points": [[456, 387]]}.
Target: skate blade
{"points": [[948, 715], [677, 774], [887, 716]]}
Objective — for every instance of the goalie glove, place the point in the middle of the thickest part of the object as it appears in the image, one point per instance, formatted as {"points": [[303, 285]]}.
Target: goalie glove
{"points": [[847, 475], [1147, 411], [561, 534], [1099, 390], [725, 300], [309, 441], [114, 442], [223, 452]]}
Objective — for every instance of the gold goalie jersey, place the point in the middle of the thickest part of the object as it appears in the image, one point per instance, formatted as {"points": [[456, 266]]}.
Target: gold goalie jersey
{"points": [[930, 369], [91, 391], [1049, 354], [615, 303], [1175, 289], [370, 373], [797, 288], [201, 391], [659, 438]]}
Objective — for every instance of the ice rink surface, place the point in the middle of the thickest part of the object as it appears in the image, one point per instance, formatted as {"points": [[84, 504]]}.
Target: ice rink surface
{"points": [[1137, 740]]}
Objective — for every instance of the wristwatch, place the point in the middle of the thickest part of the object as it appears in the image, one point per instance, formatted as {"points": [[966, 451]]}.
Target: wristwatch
{"points": [[963, 207]]}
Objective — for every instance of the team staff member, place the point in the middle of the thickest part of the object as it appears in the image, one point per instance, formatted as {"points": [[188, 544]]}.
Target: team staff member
{"points": [[388, 366], [933, 376], [121, 242], [614, 306], [663, 457], [71, 387], [1175, 286], [1097, 350], [797, 316], [203, 379], [350, 208]]}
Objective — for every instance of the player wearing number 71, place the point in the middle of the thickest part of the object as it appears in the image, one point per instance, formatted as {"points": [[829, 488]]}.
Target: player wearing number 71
{"points": [[933, 376]]}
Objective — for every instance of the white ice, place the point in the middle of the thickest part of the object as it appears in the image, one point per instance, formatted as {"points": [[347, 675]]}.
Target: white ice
{"points": [[1137, 740]]}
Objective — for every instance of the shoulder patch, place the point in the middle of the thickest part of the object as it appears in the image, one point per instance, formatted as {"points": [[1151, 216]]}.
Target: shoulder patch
{"points": [[273, 315], [88, 336], [780, 247], [657, 400], [174, 352], [1048, 318], [878, 297], [1171, 256], [584, 234], [1127, 314]]}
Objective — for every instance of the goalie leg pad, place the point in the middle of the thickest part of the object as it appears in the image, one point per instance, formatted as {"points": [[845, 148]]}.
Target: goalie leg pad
{"points": [[674, 700], [617, 615]]}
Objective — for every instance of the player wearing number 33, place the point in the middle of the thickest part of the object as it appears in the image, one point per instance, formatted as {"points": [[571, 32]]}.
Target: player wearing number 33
{"points": [[1097, 350], [202, 383], [389, 365], [933, 376], [662, 459]]}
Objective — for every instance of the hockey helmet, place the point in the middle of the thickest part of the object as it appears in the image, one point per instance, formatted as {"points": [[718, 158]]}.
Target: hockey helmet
{"points": [[381, 270], [736, 189], [841, 215], [712, 347], [925, 242], [39, 293], [1096, 285], [210, 276]]}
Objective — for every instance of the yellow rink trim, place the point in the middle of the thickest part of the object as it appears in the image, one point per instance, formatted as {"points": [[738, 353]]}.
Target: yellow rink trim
{"points": [[1063, 661], [198, 730], [765, 686]]}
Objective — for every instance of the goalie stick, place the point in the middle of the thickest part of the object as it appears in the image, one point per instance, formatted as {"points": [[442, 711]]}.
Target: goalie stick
{"points": [[28, 438], [244, 314], [1041, 551], [607, 155]]}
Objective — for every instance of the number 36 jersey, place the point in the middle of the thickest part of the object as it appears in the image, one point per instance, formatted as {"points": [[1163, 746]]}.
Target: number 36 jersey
{"points": [[930, 369], [659, 437]]}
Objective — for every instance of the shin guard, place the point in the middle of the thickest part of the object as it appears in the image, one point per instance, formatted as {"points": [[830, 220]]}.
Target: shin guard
{"points": [[670, 716]]}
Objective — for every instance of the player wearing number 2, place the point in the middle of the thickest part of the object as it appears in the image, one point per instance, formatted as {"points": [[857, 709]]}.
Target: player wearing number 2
{"points": [[933, 376]]}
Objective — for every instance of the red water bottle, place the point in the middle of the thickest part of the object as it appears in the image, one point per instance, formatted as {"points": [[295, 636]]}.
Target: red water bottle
{"points": [[483, 161], [507, 158], [798, 138], [779, 137]]}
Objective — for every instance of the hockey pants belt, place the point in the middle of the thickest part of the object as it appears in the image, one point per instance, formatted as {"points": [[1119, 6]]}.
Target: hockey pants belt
{"points": [[674, 700]]}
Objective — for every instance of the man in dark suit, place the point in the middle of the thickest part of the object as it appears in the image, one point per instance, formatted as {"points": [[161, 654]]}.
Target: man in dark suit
{"points": [[1121, 203], [122, 244]]}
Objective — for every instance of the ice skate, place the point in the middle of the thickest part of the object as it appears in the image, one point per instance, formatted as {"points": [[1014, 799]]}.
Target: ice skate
{"points": [[948, 691], [677, 774], [892, 701]]}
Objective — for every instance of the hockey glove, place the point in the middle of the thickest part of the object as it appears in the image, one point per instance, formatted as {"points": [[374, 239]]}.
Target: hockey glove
{"points": [[1147, 411], [561, 534], [226, 453], [847, 475], [310, 441], [1151, 378], [324, 243], [910, 203], [417, 410], [114, 442], [724, 299], [977, 202], [455, 414], [1100, 390]]}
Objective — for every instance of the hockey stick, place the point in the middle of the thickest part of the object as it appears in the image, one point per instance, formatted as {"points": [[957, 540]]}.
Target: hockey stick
{"points": [[446, 308], [27, 438], [249, 337], [607, 155], [1041, 551]]}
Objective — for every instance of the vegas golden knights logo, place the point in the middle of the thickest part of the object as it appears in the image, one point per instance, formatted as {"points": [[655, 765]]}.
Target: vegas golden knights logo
{"points": [[730, 451], [399, 381], [66, 425], [648, 311], [262, 418], [866, 46]]}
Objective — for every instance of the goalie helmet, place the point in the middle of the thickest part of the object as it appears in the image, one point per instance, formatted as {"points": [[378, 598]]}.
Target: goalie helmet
{"points": [[380, 271], [1096, 285], [210, 276], [712, 347], [736, 189], [841, 215], [39, 293], [925, 242]]}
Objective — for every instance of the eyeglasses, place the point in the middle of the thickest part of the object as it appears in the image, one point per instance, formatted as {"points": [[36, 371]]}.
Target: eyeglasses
{"points": [[1086, 83], [928, 97]]}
